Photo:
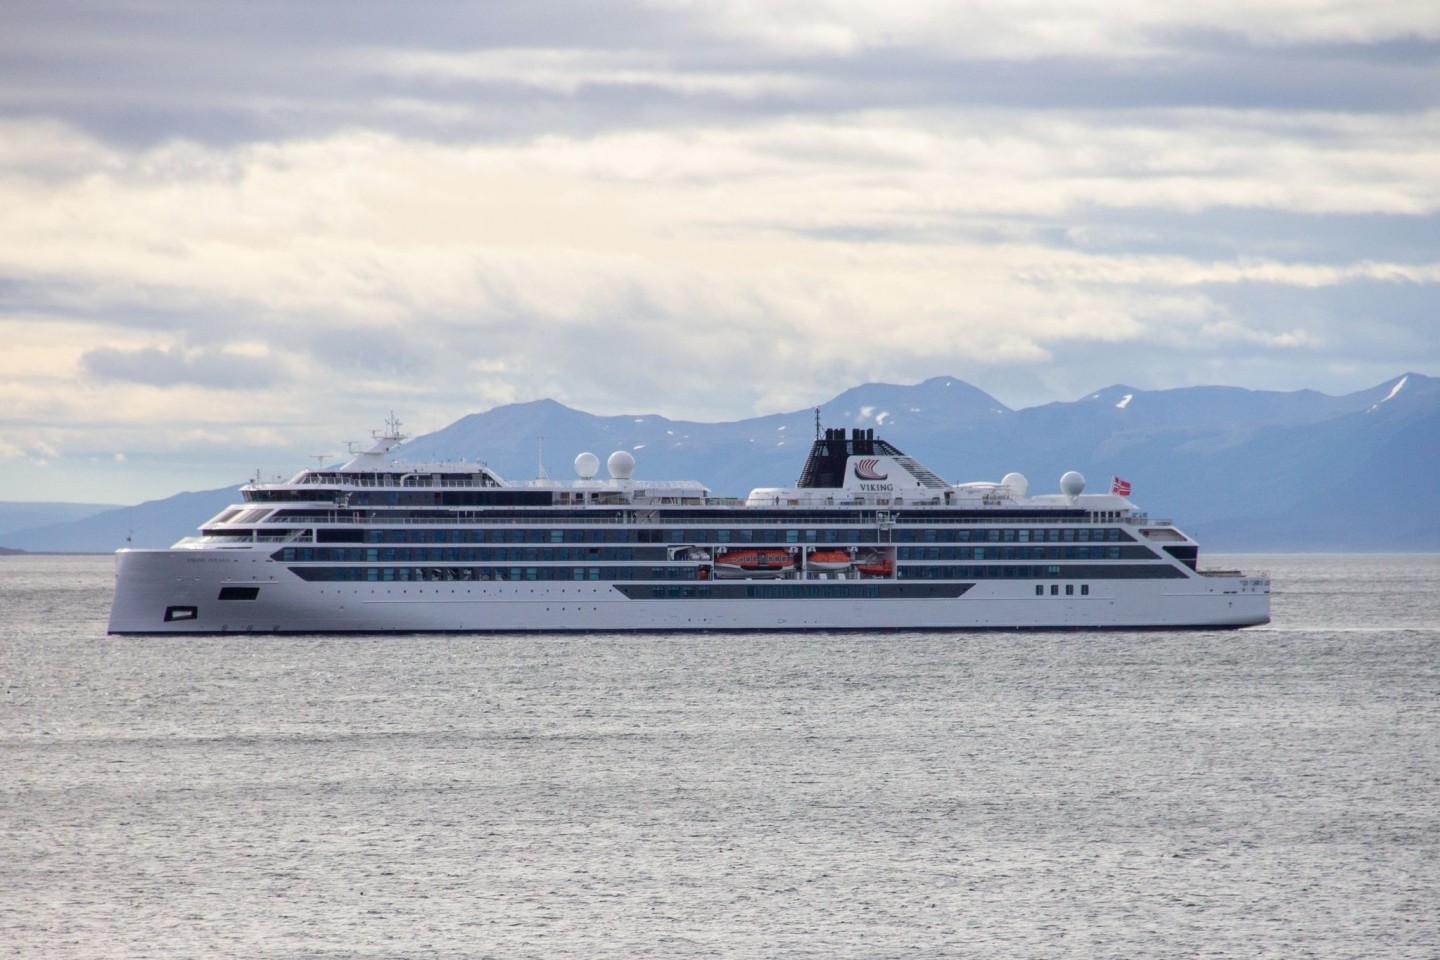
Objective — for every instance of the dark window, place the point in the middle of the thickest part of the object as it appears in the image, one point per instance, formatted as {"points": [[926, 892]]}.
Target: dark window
{"points": [[1186, 554], [239, 593]]}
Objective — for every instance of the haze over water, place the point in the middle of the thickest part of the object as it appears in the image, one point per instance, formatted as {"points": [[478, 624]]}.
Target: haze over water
{"points": [[1273, 792]]}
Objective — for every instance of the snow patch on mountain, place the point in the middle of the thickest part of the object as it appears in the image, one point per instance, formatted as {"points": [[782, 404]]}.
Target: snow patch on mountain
{"points": [[1399, 384]]}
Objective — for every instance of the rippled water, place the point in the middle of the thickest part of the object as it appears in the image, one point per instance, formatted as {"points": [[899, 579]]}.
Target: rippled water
{"points": [[1273, 792]]}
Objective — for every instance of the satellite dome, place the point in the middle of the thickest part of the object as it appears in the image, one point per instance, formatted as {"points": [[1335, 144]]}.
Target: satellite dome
{"points": [[1072, 484], [586, 466], [621, 465], [1017, 483]]}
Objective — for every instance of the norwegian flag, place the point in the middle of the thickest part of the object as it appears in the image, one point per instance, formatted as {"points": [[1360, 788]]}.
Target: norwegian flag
{"points": [[1120, 487]]}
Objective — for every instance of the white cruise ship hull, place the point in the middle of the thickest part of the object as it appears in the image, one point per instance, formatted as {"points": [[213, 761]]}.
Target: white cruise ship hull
{"points": [[179, 591]]}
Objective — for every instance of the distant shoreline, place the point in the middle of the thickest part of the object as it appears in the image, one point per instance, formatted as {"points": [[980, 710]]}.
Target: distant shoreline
{"points": [[12, 552]]}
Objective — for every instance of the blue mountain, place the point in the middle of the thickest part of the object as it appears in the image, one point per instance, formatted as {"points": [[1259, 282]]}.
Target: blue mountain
{"points": [[1242, 469], [155, 523]]}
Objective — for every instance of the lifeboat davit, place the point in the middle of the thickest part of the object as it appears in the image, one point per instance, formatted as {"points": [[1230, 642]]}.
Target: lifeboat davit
{"points": [[754, 563]]}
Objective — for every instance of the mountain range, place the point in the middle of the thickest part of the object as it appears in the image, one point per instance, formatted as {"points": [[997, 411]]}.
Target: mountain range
{"points": [[1242, 470]]}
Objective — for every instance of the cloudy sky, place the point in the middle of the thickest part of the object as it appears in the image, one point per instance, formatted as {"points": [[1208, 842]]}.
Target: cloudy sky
{"points": [[235, 234]]}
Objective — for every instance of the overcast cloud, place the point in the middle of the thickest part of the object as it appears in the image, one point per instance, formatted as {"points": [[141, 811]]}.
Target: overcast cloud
{"points": [[237, 233]]}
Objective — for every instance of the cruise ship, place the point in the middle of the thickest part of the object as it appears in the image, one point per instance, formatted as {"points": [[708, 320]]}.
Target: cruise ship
{"points": [[868, 538]]}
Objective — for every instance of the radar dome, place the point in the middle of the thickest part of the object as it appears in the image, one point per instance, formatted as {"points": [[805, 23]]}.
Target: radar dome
{"points": [[1072, 484], [621, 465], [586, 466], [1017, 483]]}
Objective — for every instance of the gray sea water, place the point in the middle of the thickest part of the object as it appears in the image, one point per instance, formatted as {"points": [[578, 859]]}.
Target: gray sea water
{"points": [[1273, 792]]}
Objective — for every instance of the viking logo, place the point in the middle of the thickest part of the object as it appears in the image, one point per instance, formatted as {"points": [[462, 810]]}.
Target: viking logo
{"points": [[865, 470]]}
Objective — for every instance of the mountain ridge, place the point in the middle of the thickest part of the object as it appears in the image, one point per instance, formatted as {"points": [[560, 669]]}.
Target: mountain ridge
{"points": [[1252, 470]]}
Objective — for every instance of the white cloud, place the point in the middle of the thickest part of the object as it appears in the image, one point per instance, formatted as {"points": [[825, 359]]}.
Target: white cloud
{"points": [[403, 261], [168, 367], [705, 210], [568, 71], [1023, 29]]}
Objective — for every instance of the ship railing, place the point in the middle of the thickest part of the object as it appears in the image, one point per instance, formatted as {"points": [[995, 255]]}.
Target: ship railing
{"points": [[612, 517], [422, 482], [406, 482], [1255, 575]]}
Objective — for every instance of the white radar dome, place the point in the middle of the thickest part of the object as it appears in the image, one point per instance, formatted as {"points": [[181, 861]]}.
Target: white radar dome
{"points": [[1072, 484], [1017, 483], [586, 466], [621, 465]]}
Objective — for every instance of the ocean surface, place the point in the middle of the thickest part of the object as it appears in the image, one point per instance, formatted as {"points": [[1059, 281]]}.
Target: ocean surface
{"points": [[1272, 792]]}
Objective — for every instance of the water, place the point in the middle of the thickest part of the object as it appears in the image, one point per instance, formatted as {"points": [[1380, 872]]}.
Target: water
{"points": [[1273, 792]]}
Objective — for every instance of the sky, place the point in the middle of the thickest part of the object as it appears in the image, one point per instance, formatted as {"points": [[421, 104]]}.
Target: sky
{"points": [[233, 235]]}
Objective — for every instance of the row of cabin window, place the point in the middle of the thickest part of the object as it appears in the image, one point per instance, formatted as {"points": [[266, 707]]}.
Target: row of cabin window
{"points": [[1010, 535], [1021, 571], [558, 573], [483, 574], [1055, 589], [772, 591], [464, 554], [1029, 552], [861, 534], [527, 554]]}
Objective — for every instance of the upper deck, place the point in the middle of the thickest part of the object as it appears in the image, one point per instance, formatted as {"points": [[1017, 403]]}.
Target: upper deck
{"points": [[846, 482]]}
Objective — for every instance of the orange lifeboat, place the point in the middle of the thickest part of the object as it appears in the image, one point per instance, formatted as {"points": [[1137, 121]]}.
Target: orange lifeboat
{"points": [[828, 560], [754, 563], [876, 566]]}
